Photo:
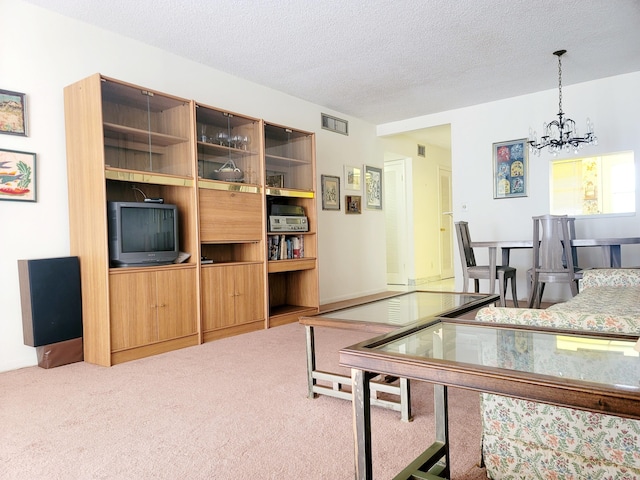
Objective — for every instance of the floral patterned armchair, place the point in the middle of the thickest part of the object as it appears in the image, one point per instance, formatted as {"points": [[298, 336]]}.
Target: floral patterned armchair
{"points": [[529, 440]]}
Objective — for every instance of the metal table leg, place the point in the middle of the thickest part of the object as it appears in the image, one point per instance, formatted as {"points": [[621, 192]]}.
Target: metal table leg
{"points": [[441, 413], [434, 462], [362, 423], [403, 390], [311, 360], [405, 400]]}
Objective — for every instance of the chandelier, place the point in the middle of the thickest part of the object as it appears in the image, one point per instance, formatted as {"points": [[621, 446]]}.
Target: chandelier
{"points": [[562, 134]]}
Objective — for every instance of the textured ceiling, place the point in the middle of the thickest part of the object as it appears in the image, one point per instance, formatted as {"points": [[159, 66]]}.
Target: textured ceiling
{"points": [[384, 60]]}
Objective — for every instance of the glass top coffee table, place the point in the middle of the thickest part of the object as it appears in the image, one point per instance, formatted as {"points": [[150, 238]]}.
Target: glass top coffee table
{"points": [[591, 371], [381, 315]]}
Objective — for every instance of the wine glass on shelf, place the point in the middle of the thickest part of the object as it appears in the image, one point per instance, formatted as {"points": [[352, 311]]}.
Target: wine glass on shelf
{"points": [[237, 140], [203, 132], [222, 137]]}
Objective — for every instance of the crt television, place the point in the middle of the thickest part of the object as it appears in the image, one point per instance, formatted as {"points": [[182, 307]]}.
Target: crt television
{"points": [[142, 233]]}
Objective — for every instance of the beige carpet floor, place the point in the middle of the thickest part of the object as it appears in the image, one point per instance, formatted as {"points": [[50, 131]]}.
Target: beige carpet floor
{"points": [[233, 408]]}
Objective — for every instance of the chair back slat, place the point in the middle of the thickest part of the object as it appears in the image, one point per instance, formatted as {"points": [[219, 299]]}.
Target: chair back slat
{"points": [[464, 243], [552, 252]]}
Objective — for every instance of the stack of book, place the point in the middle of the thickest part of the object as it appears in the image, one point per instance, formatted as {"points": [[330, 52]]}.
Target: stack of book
{"points": [[283, 247]]}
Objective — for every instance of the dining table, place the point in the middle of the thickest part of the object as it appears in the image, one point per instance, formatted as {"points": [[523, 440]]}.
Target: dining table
{"points": [[611, 250]]}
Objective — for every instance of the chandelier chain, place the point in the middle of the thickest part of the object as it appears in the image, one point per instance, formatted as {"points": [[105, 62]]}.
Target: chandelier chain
{"points": [[560, 83]]}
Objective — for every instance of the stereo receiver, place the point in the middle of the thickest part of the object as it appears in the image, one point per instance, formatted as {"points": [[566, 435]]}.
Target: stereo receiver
{"points": [[288, 218]]}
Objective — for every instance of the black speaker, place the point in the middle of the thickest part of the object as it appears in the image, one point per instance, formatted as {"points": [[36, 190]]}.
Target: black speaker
{"points": [[51, 300]]}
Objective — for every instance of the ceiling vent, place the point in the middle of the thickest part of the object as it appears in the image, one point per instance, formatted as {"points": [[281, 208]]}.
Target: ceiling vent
{"points": [[335, 124], [422, 151]]}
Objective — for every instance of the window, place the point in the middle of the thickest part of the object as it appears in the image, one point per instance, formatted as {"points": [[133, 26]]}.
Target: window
{"points": [[594, 185]]}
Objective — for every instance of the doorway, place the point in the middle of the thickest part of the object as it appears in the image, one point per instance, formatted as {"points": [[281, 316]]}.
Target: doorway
{"points": [[446, 223], [395, 208], [418, 206]]}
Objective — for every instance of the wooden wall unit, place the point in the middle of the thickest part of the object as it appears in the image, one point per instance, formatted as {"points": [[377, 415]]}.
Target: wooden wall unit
{"points": [[292, 283], [125, 142], [231, 222]]}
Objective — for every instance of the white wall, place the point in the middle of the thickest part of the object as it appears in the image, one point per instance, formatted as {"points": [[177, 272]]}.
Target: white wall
{"points": [[612, 103], [42, 52]]}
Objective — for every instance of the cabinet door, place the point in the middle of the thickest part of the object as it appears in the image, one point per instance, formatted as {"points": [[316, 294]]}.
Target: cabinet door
{"points": [[227, 216], [249, 291], [177, 303], [217, 297], [146, 131], [133, 309]]}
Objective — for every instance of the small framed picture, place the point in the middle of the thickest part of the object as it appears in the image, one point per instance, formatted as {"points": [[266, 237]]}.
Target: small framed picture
{"points": [[330, 192], [510, 168], [17, 176], [353, 204], [274, 180], [13, 113], [352, 177], [373, 187]]}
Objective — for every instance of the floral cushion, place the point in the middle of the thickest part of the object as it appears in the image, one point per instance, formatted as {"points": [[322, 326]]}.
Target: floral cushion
{"points": [[529, 440], [604, 300], [612, 277], [573, 443], [563, 318], [509, 460]]}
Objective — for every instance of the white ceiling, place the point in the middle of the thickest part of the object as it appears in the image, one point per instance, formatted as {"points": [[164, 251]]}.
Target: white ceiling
{"points": [[384, 60]]}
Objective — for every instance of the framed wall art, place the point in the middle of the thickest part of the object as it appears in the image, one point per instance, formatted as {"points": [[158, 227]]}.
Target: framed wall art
{"points": [[330, 192], [13, 113], [353, 204], [17, 176], [373, 187], [274, 179], [352, 178], [510, 169]]}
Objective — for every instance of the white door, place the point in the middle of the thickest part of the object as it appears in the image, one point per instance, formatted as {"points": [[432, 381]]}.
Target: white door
{"points": [[446, 224], [395, 209]]}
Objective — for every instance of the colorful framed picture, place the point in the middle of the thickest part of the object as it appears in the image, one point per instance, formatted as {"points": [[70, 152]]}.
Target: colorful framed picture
{"points": [[510, 169], [330, 192], [353, 204], [352, 178], [373, 187], [13, 113], [17, 176]]}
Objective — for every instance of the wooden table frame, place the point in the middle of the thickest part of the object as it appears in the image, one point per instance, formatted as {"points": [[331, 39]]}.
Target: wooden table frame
{"points": [[402, 389], [435, 462]]}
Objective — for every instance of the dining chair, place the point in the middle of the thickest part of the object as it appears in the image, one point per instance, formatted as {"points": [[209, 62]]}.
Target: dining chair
{"points": [[470, 270], [554, 258]]}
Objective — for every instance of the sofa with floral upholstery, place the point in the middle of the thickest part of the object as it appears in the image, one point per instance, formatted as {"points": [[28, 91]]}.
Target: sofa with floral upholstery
{"points": [[529, 440]]}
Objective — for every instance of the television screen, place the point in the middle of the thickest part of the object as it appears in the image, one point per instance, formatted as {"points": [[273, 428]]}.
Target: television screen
{"points": [[142, 233], [147, 229]]}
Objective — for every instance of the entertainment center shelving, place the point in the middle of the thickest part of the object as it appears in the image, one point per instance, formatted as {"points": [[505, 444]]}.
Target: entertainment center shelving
{"points": [[127, 143], [290, 162]]}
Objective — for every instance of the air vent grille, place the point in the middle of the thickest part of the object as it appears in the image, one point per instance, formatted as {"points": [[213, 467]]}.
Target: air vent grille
{"points": [[335, 124], [422, 151]]}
